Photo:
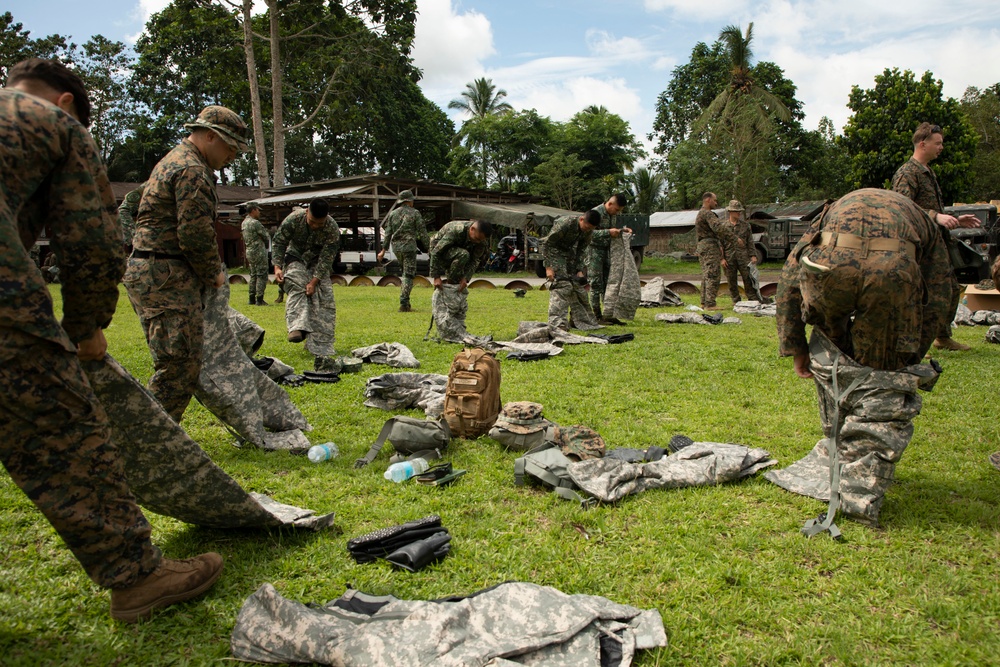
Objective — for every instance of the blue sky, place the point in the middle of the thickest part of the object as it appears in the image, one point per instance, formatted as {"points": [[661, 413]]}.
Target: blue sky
{"points": [[559, 56]]}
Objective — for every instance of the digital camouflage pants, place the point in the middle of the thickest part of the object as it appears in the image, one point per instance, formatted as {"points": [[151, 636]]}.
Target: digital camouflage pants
{"points": [[54, 442], [598, 266], [568, 304], [167, 297], [449, 305], [316, 314], [408, 262], [710, 258]]}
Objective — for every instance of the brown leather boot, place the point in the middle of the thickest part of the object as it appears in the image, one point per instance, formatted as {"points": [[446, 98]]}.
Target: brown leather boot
{"points": [[950, 344], [172, 582]]}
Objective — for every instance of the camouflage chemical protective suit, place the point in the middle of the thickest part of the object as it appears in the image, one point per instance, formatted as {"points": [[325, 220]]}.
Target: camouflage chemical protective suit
{"points": [[454, 257], [715, 240], [564, 250], [874, 256], [404, 229], [255, 239], [54, 434], [303, 254]]}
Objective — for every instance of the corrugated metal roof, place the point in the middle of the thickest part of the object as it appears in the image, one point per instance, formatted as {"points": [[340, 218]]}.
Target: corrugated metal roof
{"points": [[307, 195], [678, 218]]}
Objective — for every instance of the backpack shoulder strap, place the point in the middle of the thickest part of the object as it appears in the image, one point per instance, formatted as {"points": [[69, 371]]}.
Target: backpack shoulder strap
{"points": [[377, 445]]}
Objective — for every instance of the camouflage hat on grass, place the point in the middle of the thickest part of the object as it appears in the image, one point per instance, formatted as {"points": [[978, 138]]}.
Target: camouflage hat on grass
{"points": [[734, 205], [579, 442], [226, 123], [406, 195], [521, 417]]}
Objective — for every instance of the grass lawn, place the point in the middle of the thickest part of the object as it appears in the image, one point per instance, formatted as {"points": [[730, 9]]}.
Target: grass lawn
{"points": [[726, 567]]}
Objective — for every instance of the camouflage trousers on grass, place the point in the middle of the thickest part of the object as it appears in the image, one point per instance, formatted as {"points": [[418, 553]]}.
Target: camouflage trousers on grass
{"points": [[710, 258], [408, 262], [568, 303], [867, 417], [55, 443], [449, 305], [316, 314]]}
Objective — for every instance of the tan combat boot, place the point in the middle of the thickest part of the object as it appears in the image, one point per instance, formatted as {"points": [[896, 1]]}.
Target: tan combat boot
{"points": [[172, 582], [950, 344]]}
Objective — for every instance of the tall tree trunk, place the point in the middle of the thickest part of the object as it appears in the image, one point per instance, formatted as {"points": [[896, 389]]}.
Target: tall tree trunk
{"points": [[276, 103], [258, 122]]}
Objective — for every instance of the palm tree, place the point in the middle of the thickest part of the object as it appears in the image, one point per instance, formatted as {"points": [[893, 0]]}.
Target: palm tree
{"points": [[481, 98], [646, 189]]}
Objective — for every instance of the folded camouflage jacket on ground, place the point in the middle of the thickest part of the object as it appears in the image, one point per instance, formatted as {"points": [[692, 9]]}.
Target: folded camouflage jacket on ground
{"points": [[401, 391], [396, 355], [656, 293], [504, 626]]}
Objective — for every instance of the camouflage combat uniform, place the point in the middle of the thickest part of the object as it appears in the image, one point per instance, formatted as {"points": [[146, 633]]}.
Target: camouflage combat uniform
{"points": [[127, 213], [564, 250], [715, 241], [255, 238], [54, 434], [304, 254], [918, 182], [176, 257], [404, 228], [894, 323], [454, 257], [739, 262], [599, 257]]}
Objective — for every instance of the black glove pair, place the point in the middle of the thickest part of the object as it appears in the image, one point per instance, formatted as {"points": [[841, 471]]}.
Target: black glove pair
{"points": [[411, 545]]}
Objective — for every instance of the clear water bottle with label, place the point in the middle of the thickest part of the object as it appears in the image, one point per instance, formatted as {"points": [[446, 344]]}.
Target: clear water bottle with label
{"points": [[404, 470], [324, 452]]}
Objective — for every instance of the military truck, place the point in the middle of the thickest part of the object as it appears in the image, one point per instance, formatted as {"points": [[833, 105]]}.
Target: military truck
{"points": [[779, 235]]}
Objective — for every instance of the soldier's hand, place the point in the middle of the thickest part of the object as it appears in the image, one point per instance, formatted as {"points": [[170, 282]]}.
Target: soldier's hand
{"points": [[614, 232], [437, 283], [311, 286], [93, 348], [946, 221], [279, 275], [220, 279], [802, 365], [968, 220], [725, 264], [550, 273], [461, 284], [628, 230]]}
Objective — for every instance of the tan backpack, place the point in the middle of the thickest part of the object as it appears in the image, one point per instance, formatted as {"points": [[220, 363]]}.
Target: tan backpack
{"points": [[472, 396]]}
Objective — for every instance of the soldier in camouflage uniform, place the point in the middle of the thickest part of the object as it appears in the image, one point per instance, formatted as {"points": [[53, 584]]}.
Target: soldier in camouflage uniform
{"points": [[915, 180], [176, 256], [255, 239], [54, 434], [404, 228], [599, 253], [742, 257], [304, 250], [871, 276], [564, 251], [127, 212], [456, 251], [715, 242]]}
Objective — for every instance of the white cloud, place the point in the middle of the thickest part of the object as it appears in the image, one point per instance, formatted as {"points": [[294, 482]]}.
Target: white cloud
{"points": [[450, 47], [697, 8]]}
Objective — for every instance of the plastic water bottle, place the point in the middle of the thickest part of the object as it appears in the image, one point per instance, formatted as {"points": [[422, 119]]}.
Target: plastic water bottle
{"points": [[324, 452], [404, 470]]}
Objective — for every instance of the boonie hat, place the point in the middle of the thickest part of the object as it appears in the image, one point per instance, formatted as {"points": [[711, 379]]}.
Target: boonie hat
{"points": [[226, 123], [521, 417], [406, 195], [734, 205], [579, 442]]}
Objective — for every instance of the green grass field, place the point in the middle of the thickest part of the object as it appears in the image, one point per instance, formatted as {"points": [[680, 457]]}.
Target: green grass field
{"points": [[726, 567]]}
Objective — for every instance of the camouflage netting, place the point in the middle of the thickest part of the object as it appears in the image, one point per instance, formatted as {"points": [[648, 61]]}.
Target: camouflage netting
{"points": [[169, 473], [623, 293], [871, 427], [504, 626]]}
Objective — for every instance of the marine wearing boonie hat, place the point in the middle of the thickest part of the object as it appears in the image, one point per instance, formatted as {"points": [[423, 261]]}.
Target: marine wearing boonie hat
{"points": [[226, 123], [406, 195], [735, 205]]}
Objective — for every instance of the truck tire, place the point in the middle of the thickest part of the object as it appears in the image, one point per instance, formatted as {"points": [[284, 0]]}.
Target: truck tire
{"points": [[760, 254], [637, 256], [539, 268]]}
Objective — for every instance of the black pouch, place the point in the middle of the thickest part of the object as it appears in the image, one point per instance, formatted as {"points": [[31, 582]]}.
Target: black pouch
{"points": [[421, 553], [321, 376], [382, 542], [521, 355]]}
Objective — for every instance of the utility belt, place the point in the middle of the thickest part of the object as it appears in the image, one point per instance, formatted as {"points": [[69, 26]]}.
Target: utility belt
{"points": [[148, 254], [866, 244]]}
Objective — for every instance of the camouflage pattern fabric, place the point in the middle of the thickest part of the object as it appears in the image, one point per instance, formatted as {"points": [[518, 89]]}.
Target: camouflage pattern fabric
{"points": [[579, 442], [315, 249], [565, 247], [695, 318], [756, 309], [623, 291], [249, 334], [569, 306], [698, 464], [453, 254], [511, 346], [127, 213], [169, 472], [868, 414], [316, 314], [541, 332], [715, 240], [738, 264], [882, 308], [54, 434], [255, 238], [656, 293], [400, 391], [511, 623], [919, 183], [396, 355], [598, 256], [449, 305], [404, 229]]}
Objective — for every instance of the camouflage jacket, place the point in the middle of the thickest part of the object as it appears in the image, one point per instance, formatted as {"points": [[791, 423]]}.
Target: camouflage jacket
{"points": [[564, 249], [296, 241], [918, 183], [254, 236], [708, 226], [177, 211], [404, 228], [54, 177], [900, 220], [742, 246], [128, 211], [455, 235], [601, 237]]}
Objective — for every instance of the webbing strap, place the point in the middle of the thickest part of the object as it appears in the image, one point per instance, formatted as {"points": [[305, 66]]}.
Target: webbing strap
{"points": [[570, 494], [429, 327], [825, 523], [377, 446]]}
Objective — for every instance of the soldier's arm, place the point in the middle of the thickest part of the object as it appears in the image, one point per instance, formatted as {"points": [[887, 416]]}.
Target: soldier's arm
{"points": [[423, 238], [194, 194], [907, 183], [86, 239], [388, 229], [438, 248], [279, 244], [791, 329], [324, 265]]}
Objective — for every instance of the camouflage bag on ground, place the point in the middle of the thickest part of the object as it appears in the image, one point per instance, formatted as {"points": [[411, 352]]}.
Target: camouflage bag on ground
{"points": [[408, 435], [548, 463], [520, 426], [472, 396]]}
